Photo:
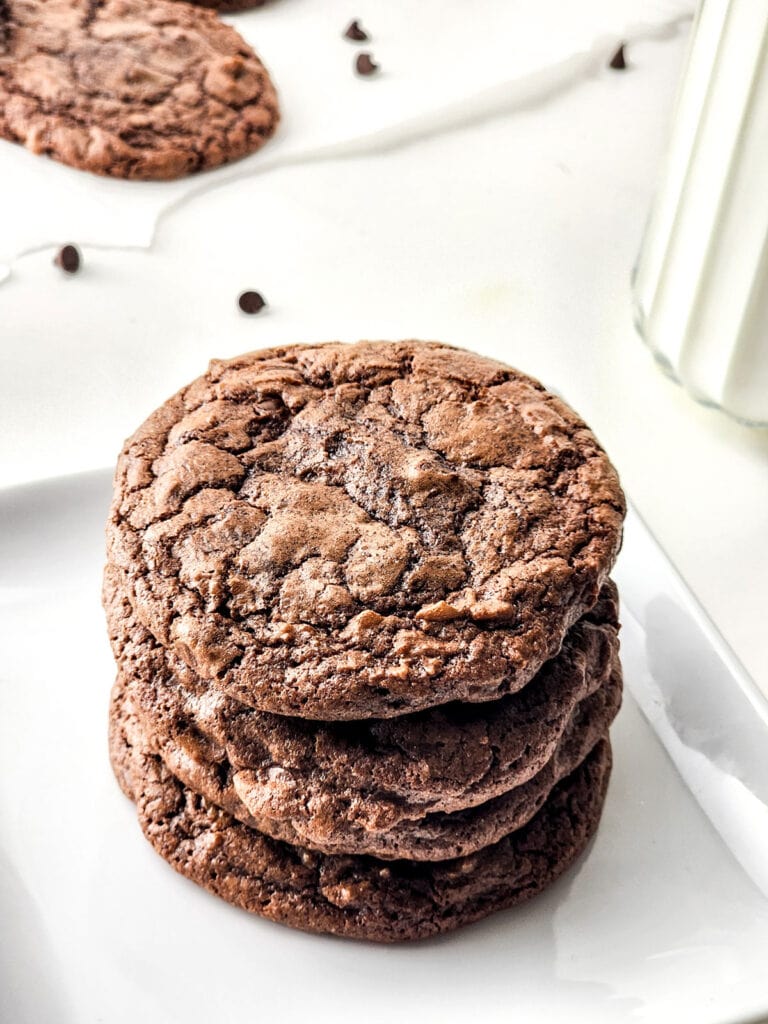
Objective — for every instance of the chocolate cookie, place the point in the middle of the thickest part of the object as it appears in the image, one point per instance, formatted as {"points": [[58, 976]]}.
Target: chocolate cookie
{"points": [[149, 89], [353, 531], [379, 786], [355, 896], [279, 812]]}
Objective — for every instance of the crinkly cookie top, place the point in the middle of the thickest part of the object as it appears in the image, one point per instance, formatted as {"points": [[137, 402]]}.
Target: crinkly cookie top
{"points": [[349, 531]]}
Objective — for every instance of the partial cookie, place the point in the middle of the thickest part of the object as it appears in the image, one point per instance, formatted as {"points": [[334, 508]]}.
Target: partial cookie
{"points": [[149, 89], [355, 896], [431, 837], [380, 786], [353, 531]]}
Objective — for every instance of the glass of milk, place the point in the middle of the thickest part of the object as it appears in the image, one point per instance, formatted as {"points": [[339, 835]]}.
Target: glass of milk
{"points": [[701, 281]]}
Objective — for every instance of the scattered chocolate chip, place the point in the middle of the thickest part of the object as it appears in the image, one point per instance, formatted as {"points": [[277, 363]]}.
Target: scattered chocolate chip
{"points": [[356, 32], [365, 65], [251, 302], [618, 61], [68, 258]]}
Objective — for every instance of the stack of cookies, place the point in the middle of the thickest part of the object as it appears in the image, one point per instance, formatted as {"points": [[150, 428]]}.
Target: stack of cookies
{"points": [[367, 645]]}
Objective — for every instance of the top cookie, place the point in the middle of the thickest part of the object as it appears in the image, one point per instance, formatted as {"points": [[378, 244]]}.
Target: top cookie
{"points": [[354, 531], [149, 89]]}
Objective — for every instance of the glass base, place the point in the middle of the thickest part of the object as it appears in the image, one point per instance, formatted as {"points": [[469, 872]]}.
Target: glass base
{"points": [[668, 369]]}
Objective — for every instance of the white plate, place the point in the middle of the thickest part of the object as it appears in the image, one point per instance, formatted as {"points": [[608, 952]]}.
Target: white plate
{"points": [[660, 921]]}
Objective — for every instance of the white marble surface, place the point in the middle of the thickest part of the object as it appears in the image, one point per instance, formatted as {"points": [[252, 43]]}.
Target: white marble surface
{"points": [[513, 234]]}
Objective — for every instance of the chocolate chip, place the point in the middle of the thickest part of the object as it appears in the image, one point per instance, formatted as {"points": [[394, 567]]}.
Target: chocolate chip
{"points": [[365, 65], [618, 61], [251, 302], [356, 32], [68, 259]]}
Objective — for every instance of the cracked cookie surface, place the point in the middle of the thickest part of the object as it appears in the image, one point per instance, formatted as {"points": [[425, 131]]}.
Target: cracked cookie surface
{"points": [[388, 787], [354, 896], [130, 88], [352, 531], [278, 810]]}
